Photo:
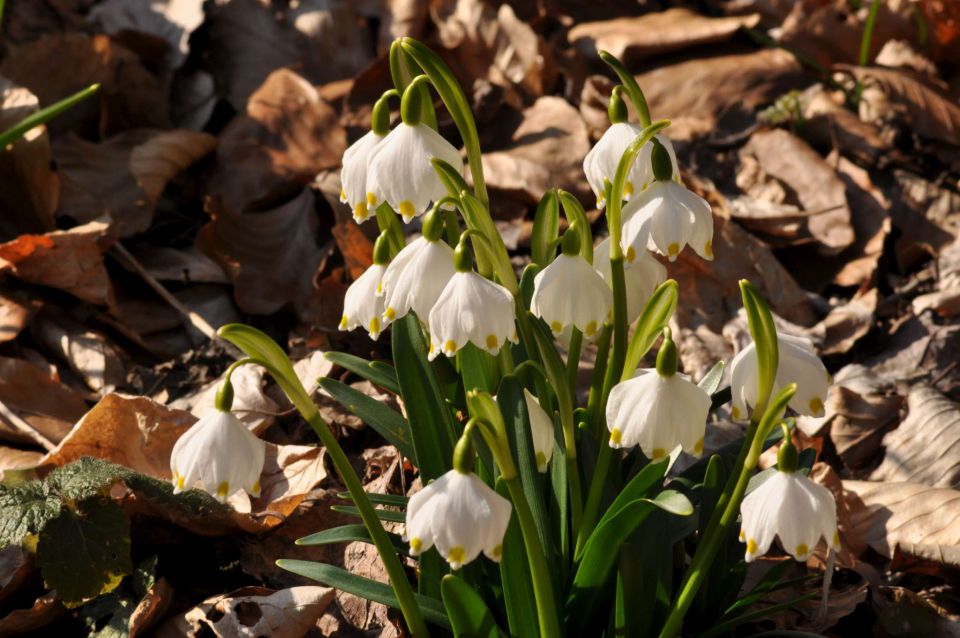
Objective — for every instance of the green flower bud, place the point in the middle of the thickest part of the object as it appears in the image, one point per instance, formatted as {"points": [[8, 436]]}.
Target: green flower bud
{"points": [[660, 159]]}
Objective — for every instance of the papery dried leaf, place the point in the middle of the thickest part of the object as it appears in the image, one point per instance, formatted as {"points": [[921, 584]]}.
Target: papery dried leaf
{"points": [[29, 187], [828, 122], [188, 265], [14, 316], [254, 408], [870, 217], [39, 398], [919, 520], [636, 38], [95, 359], [170, 20], [151, 607], [356, 248], [45, 611], [945, 301], [70, 260]]}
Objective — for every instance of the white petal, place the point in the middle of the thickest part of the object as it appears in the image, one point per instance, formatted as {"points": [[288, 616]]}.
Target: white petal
{"points": [[471, 308], [353, 177], [570, 291], [416, 283], [541, 431], [602, 160], [363, 303], [701, 235]]}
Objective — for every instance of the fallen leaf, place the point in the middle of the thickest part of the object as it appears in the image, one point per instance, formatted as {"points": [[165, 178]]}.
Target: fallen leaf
{"points": [[253, 611], [15, 313], [45, 611], [38, 398], [919, 520], [29, 186], [635, 38], [15, 460], [847, 323], [169, 20], [124, 176], [70, 260], [250, 39], [870, 217], [187, 265], [828, 122], [814, 184], [921, 448], [96, 360], [945, 300], [254, 408], [356, 248], [151, 607], [311, 368], [924, 211]]}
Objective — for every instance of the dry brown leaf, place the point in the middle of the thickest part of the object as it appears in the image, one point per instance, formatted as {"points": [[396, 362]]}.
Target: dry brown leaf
{"points": [[169, 20], [70, 260], [925, 447], [923, 210], [636, 38], [870, 216], [817, 189], [15, 459], [151, 607], [45, 611], [848, 323], [29, 187], [249, 39], [356, 248], [254, 408], [39, 398], [253, 611], [945, 300], [129, 97], [125, 175], [828, 122], [718, 95], [89, 354], [546, 147], [15, 313], [188, 265], [919, 520]]}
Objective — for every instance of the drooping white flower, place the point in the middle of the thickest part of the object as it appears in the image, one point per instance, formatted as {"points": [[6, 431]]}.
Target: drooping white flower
{"points": [[459, 514], [471, 308], [220, 452], [641, 275], [798, 363], [353, 176], [541, 431], [400, 173], [569, 291], [363, 302], [415, 279], [793, 507], [673, 216], [658, 412], [601, 162]]}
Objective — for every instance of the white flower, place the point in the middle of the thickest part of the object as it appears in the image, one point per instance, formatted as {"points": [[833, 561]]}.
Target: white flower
{"points": [[658, 413], [415, 279], [459, 514], [641, 275], [353, 177], [798, 363], [793, 507], [363, 303], [471, 308], [673, 216], [220, 452], [570, 291], [601, 162], [400, 172], [541, 431]]}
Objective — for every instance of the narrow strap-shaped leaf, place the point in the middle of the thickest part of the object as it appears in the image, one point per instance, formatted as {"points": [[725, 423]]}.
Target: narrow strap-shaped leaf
{"points": [[655, 315], [389, 516], [546, 229], [380, 499], [431, 608], [467, 611], [348, 534], [518, 595], [711, 380], [376, 372], [388, 423], [44, 115]]}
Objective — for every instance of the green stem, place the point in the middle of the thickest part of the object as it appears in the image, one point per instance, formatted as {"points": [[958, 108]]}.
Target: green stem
{"points": [[573, 472], [596, 384], [867, 38], [633, 89], [592, 510], [573, 358], [42, 116]]}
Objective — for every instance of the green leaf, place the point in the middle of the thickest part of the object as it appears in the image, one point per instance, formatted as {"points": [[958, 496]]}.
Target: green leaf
{"points": [[376, 372], [389, 516], [711, 380], [655, 315], [85, 552], [630, 84], [432, 609], [265, 351], [388, 423], [546, 229], [764, 333], [430, 420], [348, 534], [25, 509], [573, 211], [468, 613], [479, 369], [518, 596], [84, 478], [395, 500], [42, 116]]}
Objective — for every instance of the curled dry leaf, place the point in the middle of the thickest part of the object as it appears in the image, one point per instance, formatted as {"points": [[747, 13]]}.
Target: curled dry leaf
{"points": [[870, 217], [253, 611], [170, 20], [828, 122], [151, 607], [919, 520], [254, 408], [124, 176], [70, 260], [29, 187], [635, 38], [45, 611], [945, 300], [38, 397], [15, 313], [925, 447], [848, 323], [89, 354]]}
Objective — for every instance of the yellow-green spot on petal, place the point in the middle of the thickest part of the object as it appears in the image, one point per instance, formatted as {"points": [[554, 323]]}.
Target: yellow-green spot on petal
{"points": [[673, 249], [380, 288], [556, 326], [816, 406], [371, 199], [450, 346], [360, 211], [407, 210], [541, 460], [256, 487], [659, 453], [836, 538], [752, 546], [456, 555], [698, 446], [631, 254], [627, 189], [590, 329], [223, 489], [343, 195], [735, 412], [375, 325], [708, 248], [742, 536], [416, 544], [344, 321], [492, 341], [802, 550], [616, 436], [390, 313], [829, 378], [497, 552], [179, 482], [432, 349]]}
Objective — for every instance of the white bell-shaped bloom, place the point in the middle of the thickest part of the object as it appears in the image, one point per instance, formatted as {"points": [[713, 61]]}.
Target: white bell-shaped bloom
{"points": [[353, 176], [658, 413], [541, 431], [798, 363], [461, 515], [641, 275], [400, 172], [676, 217], [793, 507], [363, 302], [471, 308], [601, 162], [220, 452], [415, 279], [569, 291]]}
